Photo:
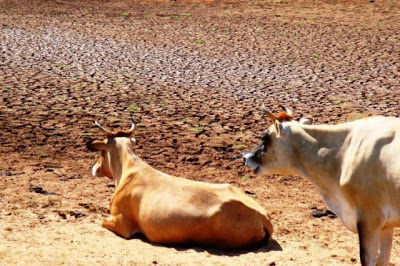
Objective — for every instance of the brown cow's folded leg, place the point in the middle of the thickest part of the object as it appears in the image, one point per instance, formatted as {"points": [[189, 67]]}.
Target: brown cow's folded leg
{"points": [[119, 225]]}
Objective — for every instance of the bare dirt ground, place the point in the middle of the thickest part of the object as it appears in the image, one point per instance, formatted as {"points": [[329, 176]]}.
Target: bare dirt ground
{"points": [[193, 75]]}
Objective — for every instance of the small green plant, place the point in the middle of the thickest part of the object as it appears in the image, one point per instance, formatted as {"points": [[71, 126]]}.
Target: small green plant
{"points": [[298, 24], [356, 116], [201, 42], [62, 66], [186, 119], [351, 79], [118, 83], [164, 102], [3, 255], [197, 129], [17, 212], [314, 55], [186, 14], [134, 108], [4, 88], [239, 146], [245, 178], [62, 259], [124, 14], [149, 15]]}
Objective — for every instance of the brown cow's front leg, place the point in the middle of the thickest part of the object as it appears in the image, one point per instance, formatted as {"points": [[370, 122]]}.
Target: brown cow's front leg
{"points": [[386, 237], [119, 225], [369, 242]]}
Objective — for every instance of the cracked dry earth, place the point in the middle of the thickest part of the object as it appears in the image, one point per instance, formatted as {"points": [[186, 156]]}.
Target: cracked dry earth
{"points": [[193, 76]]}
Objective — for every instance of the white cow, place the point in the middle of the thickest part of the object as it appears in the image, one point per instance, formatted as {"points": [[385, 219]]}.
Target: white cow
{"points": [[355, 166]]}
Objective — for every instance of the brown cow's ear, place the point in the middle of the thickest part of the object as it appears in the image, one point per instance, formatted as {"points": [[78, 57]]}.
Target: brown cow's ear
{"points": [[306, 121], [96, 145]]}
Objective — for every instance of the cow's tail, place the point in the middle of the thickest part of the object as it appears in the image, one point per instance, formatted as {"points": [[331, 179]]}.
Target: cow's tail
{"points": [[268, 227]]}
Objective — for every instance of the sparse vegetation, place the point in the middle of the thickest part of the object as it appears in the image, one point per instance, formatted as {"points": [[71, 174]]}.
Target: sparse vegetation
{"points": [[314, 55], [164, 102], [118, 83], [3, 254], [197, 129], [355, 116], [134, 108], [62, 259], [201, 42], [239, 146], [150, 15]]}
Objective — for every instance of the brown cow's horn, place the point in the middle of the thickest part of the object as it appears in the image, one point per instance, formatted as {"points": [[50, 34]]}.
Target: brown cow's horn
{"points": [[132, 127], [133, 124], [268, 113], [287, 110], [102, 128]]}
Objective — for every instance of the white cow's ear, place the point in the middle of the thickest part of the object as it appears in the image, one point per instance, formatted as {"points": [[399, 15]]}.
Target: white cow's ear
{"points": [[278, 128], [306, 121]]}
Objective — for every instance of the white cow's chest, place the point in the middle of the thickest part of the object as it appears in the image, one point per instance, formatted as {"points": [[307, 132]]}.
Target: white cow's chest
{"points": [[338, 205]]}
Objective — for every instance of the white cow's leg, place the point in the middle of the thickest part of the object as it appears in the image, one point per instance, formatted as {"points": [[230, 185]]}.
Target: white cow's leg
{"points": [[386, 237], [369, 243]]}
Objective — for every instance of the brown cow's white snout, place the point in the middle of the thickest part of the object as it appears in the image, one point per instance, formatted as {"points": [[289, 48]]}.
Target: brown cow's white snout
{"points": [[95, 168]]}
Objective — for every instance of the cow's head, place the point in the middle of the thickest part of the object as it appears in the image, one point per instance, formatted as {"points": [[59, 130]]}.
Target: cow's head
{"points": [[111, 150], [275, 153]]}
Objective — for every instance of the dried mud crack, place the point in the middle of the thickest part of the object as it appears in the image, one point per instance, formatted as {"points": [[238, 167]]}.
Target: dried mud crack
{"points": [[193, 76]]}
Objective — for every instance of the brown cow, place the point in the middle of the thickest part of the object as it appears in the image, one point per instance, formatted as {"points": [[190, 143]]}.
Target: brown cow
{"points": [[174, 210]]}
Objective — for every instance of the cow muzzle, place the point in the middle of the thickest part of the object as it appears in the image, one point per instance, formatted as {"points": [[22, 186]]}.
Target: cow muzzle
{"points": [[251, 160]]}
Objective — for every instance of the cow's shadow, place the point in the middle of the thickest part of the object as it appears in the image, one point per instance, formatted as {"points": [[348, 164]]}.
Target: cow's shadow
{"points": [[271, 245]]}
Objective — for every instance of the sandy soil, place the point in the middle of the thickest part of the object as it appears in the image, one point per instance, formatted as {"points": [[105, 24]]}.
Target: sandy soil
{"points": [[193, 75]]}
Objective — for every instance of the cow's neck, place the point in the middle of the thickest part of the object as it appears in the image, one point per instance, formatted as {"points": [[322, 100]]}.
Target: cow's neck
{"points": [[318, 151], [123, 166], [129, 166]]}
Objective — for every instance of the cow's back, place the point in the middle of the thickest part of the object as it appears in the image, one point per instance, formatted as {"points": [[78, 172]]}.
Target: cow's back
{"points": [[178, 210], [371, 165]]}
